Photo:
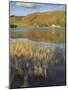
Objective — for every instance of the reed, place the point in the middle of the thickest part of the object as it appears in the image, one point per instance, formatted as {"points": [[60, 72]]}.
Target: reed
{"points": [[29, 50]]}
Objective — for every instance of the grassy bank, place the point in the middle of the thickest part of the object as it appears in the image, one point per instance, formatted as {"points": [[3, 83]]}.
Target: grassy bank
{"points": [[40, 36]]}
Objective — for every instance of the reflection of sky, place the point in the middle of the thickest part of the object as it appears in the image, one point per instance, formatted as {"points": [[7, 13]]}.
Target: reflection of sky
{"points": [[16, 8]]}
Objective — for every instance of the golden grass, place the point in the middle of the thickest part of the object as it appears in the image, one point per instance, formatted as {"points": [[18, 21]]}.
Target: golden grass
{"points": [[29, 51]]}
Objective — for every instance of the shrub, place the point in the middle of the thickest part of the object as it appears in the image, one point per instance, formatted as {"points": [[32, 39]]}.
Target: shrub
{"points": [[13, 26], [43, 25]]}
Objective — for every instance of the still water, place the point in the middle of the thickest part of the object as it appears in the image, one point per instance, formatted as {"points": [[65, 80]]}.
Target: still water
{"points": [[37, 29]]}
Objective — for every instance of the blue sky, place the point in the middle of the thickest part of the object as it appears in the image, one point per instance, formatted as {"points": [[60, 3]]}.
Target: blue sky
{"points": [[22, 9]]}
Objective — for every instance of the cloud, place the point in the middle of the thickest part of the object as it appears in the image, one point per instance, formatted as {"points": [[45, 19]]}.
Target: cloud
{"points": [[27, 5], [62, 6]]}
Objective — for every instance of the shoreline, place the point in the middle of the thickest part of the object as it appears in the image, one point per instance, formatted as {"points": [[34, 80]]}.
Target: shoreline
{"points": [[53, 45]]}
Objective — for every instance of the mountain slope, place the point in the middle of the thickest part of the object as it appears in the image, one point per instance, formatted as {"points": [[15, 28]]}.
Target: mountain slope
{"points": [[40, 19]]}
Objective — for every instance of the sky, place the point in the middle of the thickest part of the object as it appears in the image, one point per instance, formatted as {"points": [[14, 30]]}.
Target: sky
{"points": [[24, 8]]}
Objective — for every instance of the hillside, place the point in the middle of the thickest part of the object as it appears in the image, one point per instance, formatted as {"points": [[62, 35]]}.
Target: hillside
{"points": [[39, 19]]}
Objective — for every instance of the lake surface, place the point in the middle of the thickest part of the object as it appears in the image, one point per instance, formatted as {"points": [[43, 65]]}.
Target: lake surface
{"points": [[37, 29], [51, 45]]}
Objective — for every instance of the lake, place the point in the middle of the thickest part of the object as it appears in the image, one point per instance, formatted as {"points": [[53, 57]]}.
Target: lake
{"points": [[52, 45], [47, 29], [56, 67]]}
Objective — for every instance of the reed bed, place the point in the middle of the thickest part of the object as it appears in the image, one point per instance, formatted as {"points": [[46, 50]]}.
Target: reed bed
{"points": [[29, 61], [29, 50], [30, 58]]}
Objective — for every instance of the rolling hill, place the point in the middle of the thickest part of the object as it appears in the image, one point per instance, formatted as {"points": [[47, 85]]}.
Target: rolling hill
{"points": [[39, 19]]}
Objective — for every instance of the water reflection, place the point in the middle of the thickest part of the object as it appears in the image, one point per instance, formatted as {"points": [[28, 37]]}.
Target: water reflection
{"points": [[38, 70]]}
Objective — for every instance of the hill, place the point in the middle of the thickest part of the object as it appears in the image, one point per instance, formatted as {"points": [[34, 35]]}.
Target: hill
{"points": [[39, 19]]}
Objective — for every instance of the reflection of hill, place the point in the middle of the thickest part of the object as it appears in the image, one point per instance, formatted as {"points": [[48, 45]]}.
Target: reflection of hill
{"points": [[40, 36], [40, 19]]}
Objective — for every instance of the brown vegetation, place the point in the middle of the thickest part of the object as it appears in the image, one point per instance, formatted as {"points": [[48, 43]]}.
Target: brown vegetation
{"points": [[40, 19]]}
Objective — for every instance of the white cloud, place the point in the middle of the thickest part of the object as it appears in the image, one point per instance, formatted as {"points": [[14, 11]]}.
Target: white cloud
{"points": [[62, 7], [28, 5]]}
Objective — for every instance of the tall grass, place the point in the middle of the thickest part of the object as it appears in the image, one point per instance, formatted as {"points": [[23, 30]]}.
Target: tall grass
{"points": [[29, 51], [28, 60]]}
